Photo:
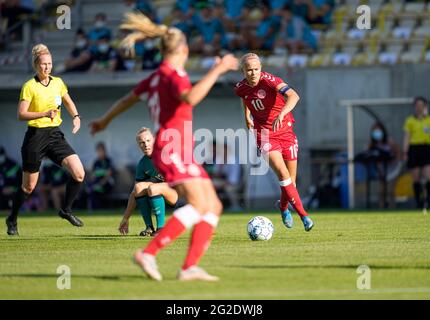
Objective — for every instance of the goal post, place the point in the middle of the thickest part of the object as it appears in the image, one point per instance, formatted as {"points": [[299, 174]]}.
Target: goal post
{"points": [[350, 105]]}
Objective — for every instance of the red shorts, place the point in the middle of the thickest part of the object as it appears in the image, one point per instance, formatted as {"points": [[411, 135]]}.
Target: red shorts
{"points": [[174, 169], [287, 145]]}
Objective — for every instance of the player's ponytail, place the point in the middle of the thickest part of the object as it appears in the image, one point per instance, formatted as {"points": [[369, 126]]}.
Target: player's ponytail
{"points": [[37, 51], [143, 28]]}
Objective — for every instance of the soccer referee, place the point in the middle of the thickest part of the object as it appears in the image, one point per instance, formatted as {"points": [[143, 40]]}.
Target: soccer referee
{"points": [[40, 105]]}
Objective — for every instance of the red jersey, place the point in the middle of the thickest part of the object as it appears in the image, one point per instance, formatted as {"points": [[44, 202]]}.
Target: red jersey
{"points": [[164, 88], [172, 118], [265, 103]]}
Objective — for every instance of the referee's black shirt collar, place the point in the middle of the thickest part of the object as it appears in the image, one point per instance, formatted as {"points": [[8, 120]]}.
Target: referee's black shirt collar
{"points": [[38, 80]]}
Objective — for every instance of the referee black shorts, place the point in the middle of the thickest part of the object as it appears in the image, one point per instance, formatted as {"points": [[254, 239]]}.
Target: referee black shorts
{"points": [[41, 142], [418, 156]]}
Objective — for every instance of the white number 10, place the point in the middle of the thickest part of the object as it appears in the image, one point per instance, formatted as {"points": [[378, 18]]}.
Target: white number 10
{"points": [[257, 104]]}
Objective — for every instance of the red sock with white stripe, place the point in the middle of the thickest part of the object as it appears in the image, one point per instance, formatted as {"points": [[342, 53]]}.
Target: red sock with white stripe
{"points": [[291, 195], [183, 218], [200, 239]]}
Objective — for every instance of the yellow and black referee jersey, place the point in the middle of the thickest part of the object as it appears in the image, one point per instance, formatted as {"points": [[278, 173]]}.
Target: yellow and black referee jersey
{"points": [[419, 130], [43, 98]]}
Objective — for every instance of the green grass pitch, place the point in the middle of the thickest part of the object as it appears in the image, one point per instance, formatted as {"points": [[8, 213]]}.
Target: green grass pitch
{"points": [[294, 264]]}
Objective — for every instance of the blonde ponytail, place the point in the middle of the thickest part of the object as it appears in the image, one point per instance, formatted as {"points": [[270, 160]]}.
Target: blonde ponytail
{"points": [[143, 28]]}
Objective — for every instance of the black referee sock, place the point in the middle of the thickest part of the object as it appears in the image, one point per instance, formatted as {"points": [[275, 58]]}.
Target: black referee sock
{"points": [[428, 194], [18, 199], [72, 190], [418, 189]]}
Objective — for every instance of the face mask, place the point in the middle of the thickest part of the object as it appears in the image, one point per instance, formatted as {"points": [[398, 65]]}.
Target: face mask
{"points": [[99, 24], [2, 158], [80, 44], [377, 134], [103, 48]]}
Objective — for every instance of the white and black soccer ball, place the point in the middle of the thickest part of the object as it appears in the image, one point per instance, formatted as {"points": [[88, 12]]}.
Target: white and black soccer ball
{"points": [[260, 228]]}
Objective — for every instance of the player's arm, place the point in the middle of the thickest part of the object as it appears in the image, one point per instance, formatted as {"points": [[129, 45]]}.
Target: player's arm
{"points": [[117, 108], [292, 98], [248, 120], [71, 108], [199, 91], [25, 115], [131, 205]]}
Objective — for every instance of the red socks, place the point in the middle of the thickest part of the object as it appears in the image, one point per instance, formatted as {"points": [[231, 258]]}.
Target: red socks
{"points": [[183, 218], [290, 195]]}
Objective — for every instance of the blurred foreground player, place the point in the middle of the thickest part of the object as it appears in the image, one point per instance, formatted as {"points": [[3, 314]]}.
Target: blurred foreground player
{"points": [[171, 98]]}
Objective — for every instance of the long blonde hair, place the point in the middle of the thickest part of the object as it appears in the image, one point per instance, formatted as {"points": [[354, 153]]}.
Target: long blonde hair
{"points": [[143, 28], [37, 51]]}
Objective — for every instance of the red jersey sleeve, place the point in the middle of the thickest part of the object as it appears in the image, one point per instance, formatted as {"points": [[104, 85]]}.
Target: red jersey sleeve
{"points": [[179, 83], [142, 87], [271, 80], [238, 89]]}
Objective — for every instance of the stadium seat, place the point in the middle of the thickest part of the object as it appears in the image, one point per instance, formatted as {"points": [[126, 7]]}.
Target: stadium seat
{"points": [[388, 58], [320, 60], [414, 7], [276, 61], [401, 32], [341, 59], [410, 57], [298, 60]]}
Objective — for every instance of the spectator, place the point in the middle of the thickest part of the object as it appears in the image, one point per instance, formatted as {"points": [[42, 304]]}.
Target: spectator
{"points": [[211, 35], [416, 149], [99, 30], [101, 180], [151, 57], [105, 58], [179, 20], [265, 35], [53, 185], [12, 10], [295, 34], [304, 8], [186, 6], [80, 58], [10, 178], [147, 9], [382, 159], [323, 13]]}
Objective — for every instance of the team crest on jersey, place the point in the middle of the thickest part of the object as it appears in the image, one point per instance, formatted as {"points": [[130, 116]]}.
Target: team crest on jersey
{"points": [[267, 146], [261, 94]]}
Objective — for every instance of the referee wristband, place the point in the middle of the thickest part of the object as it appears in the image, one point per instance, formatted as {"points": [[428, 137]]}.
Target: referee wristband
{"points": [[76, 115]]}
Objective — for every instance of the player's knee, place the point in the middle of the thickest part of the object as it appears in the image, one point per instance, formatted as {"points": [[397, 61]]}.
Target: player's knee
{"points": [[79, 176], [153, 190], [29, 188], [218, 207]]}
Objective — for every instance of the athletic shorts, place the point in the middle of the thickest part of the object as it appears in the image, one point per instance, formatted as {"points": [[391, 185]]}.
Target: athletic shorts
{"points": [[43, 142], [174, 169], [287, 145], [418, 156]]}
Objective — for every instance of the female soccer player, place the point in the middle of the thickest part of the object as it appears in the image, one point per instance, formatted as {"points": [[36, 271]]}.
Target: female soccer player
{"points": [[171, 98], [263, 96], [39, 105], [150, 191]]}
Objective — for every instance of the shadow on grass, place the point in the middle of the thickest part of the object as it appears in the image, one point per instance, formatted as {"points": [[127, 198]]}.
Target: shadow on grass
{"points": [[76, 237], [55, 276], [372, 267]]}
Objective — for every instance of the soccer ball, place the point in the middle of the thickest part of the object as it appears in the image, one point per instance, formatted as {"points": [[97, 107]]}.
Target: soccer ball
{"points": [[260, 228]]}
